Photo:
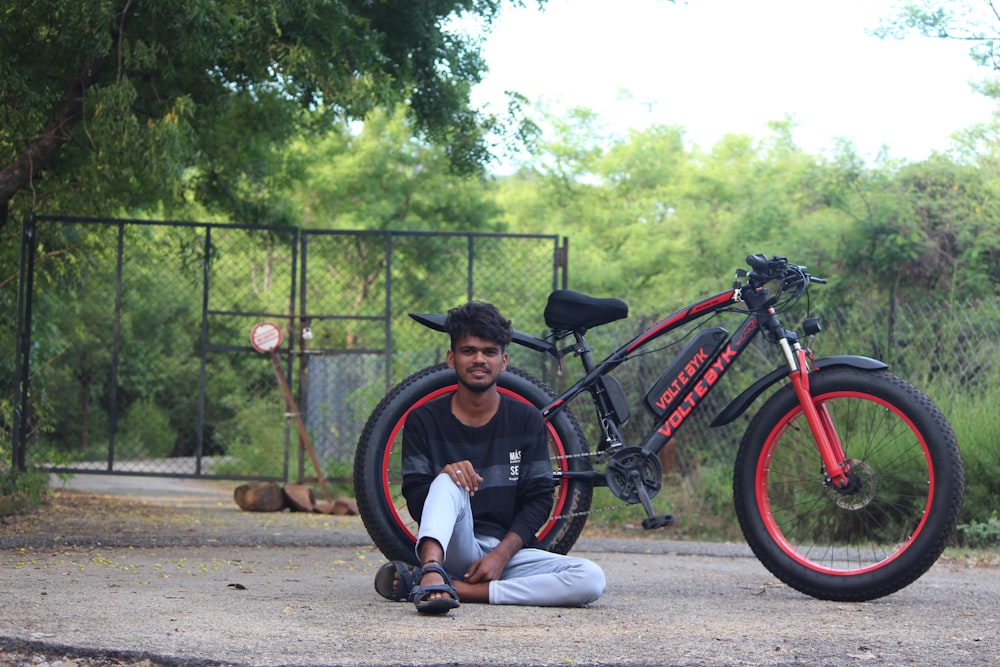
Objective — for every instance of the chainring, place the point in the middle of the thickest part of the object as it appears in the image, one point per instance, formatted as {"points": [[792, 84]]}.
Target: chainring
{"points": [[628, 460]]}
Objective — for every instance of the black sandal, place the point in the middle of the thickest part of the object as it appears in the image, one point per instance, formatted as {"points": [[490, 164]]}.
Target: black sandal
{"points": [[419, 594], [395, 580]]}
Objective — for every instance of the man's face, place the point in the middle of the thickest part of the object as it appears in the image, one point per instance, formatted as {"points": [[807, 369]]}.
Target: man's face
{"points": [[477, 362]]}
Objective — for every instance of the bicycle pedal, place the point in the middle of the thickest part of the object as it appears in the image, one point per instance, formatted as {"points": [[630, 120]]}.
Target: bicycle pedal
{"points": [[661, 521]]}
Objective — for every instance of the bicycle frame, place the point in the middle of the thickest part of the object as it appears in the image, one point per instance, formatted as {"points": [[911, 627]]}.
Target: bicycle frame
{"points": [[712, 367], [608, 396]]}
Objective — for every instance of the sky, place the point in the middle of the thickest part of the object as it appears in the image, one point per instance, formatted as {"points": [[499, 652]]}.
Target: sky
{"points": [[716, 67]]}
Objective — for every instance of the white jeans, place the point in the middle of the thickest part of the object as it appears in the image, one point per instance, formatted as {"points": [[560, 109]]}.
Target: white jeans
{"points": [[532, 577]]}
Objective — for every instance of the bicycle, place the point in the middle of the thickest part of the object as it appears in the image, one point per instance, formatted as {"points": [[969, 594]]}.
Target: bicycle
{"points": [[848, 480]]}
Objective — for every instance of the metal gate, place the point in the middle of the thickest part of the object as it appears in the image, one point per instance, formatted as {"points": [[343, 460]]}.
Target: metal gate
{"points": [[133, 352]]}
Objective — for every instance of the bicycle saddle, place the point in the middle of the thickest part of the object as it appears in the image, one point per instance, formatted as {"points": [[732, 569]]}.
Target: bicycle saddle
{"points": [[567, 310]]}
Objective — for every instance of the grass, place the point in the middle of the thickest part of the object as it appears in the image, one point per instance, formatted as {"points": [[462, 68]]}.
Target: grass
{"points": [[701, 503]]}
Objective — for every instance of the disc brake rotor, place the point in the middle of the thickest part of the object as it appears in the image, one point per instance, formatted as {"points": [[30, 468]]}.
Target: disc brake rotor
{"points": [[861, 489]]}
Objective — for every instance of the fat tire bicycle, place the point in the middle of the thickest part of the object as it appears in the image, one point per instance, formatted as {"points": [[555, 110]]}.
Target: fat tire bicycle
{"points": [[848, 480]]}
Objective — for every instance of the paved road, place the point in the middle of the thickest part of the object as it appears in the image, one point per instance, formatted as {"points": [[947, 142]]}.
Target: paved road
{"points": [[182, 576]]}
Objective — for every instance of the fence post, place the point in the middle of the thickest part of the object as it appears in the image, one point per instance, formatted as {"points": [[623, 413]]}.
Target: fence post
{"points": [[206, 278], [22, 344], [115, 345], [561, 264], [387, 314]]}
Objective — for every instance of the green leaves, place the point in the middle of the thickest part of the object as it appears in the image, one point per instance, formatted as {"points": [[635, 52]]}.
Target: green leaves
{"points": [[381, 177], [118, 103]]}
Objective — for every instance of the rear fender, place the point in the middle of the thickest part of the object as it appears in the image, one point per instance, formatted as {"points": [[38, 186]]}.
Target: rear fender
{"points": [[740, 404]]}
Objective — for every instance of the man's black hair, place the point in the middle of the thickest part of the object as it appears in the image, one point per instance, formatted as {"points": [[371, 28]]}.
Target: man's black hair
{"points": [[479, 319]]}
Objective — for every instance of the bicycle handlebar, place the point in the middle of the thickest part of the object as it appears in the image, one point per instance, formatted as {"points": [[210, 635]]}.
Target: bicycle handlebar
{"points": [[793, 278]]}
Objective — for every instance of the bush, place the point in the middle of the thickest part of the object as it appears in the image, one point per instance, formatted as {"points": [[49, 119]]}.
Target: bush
{"points": [[973, 418], [21, 492], [341, 477], [146, 432], [978, 535], [254, 439]]}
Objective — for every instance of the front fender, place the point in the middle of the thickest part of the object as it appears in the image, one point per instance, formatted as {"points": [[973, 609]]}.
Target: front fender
{"points": [[739, 404]]}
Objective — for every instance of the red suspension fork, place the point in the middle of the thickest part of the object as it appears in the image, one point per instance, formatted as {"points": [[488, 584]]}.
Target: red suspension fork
{"points": [[831, 450]]}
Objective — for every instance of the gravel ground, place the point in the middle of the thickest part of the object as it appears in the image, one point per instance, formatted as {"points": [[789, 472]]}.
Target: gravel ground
{"points": [[48, 658], [183, 577]]}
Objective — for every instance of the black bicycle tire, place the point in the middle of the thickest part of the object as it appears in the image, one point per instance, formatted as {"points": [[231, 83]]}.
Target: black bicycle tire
{"points": [[770, 501], [381, 506]]}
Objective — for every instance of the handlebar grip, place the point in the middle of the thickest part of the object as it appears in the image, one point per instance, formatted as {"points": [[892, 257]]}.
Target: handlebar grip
{"points": [[793, 277], [757, 262]]}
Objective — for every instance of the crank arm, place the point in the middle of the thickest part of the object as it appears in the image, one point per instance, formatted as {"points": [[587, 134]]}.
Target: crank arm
{"points": [[593, 477], [652, 520]]}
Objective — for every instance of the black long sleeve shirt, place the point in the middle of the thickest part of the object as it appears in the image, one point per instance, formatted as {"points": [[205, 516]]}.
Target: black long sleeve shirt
{"points": [[510, 452]]}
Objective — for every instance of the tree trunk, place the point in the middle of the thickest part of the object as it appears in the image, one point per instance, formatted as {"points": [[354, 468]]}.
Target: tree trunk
{"points": [[44, 147]]}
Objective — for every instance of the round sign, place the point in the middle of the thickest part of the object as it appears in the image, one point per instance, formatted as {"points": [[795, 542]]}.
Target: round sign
{"points": [[265, 337]]}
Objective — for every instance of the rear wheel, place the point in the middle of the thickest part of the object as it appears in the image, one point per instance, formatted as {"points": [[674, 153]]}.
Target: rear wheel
{"points": [[892, 521], [377, 462]]}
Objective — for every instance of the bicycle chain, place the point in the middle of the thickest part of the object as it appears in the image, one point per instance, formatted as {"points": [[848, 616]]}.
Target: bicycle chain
{"points": [[577, 456], [590, 511]]}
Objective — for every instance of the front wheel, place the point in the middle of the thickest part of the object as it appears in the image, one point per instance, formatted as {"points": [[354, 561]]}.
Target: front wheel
{"points": [[378, 462], [892, 521]]}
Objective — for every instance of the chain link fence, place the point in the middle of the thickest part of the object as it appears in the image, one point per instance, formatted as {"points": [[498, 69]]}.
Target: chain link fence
{"points": [[133, 352], [426, 274]]}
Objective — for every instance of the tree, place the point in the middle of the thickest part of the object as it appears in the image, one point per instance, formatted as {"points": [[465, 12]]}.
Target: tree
{"points": [[657, 223], [126, 103], [171, 107], [380, 177], [922, 231], [950, 206], [976, 22]]}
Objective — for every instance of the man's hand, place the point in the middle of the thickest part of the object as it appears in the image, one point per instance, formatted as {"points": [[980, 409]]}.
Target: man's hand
{"points": [[488, 568], [464, 475]]}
